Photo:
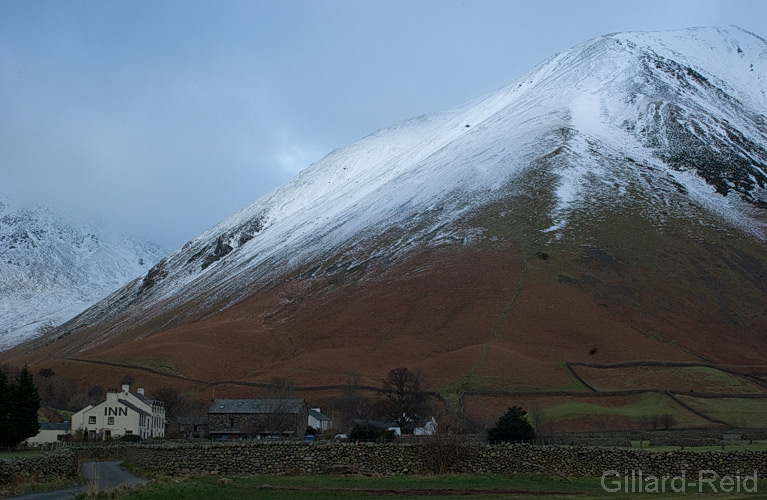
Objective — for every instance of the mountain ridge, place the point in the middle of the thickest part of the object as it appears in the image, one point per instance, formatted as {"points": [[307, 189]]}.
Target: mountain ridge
{"points": [[53, 267], [607, 207], [401, 155]]}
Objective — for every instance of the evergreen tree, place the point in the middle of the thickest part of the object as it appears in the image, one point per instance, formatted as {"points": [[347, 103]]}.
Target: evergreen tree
{"points": [[19, 403], [5, 410], [24, 419], [511, 426]]}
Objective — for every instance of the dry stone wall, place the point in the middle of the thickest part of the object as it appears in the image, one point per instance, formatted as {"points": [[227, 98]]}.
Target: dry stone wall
{"points": [[252, 458], [47, 467]]}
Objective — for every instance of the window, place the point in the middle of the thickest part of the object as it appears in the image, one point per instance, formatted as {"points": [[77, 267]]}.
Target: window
{"points": [[92, 419], [110, 421]]}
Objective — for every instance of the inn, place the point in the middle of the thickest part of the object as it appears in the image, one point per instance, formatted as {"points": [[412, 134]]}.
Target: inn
{"points": [[123, 413]]}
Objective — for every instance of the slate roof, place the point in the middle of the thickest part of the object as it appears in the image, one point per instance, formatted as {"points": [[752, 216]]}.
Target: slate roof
{"points": [[258, 406], [55, 426], [192, 420], [133, 407], [319, 416], [378, 424]]}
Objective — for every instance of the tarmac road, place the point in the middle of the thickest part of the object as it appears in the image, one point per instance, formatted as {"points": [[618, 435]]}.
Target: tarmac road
{"points": [[104, 475]]}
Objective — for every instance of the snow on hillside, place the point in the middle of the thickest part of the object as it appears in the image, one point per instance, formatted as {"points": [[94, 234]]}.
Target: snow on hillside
{"points": [[677, 119], [603, 91], [52, 268]]}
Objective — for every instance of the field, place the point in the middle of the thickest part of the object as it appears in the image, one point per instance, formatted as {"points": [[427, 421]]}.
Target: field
{"points": [[587, 411], [479, 487], [741, 412], [706, 379]]}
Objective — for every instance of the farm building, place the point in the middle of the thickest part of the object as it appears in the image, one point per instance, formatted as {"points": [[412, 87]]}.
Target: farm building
{"points": [[319, 421], [50, 433], [260, 418]]}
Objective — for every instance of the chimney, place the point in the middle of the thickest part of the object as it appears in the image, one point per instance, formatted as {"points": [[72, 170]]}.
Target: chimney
{"points": [[126, 387], [140, 390]]}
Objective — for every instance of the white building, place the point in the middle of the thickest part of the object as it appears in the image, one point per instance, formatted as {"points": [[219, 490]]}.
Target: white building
{"points": [[123, 413], [49, 433], [319, 421], [426, 428]]}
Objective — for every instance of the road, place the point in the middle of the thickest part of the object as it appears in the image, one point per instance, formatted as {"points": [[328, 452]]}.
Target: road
{"points": [[101, 475]]}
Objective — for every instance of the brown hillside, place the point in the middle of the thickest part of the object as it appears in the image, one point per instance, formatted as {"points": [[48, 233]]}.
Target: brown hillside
{"points": [[470, 319]]}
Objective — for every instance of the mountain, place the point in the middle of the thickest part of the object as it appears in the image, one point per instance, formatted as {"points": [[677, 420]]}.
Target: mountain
{"points": [[607, 209], [52, 268]]}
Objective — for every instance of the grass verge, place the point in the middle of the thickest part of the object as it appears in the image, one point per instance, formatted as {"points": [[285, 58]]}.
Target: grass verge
{"points": [[477, 487]]}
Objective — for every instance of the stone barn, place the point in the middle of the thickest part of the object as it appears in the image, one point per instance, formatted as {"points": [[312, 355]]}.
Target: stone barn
{"points": [[258, 418]]}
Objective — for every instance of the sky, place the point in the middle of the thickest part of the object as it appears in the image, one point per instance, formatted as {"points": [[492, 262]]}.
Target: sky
{"points": [[163, 118]]}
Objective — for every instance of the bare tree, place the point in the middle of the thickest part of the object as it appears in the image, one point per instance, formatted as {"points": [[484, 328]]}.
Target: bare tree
{"points": [[541, 424], [281, 388], [654, 421], [351, 405], [403, 401], [668, 421], [176, 403], [278, 419], [446, 446]]}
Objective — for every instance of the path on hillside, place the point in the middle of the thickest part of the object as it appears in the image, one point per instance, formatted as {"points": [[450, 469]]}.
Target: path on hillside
{"points": [[98, 475]]}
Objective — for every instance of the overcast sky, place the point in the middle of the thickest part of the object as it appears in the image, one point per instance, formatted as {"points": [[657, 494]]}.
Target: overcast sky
{"points": [[162, 118]]}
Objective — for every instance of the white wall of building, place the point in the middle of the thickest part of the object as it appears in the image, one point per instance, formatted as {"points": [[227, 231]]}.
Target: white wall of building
{"points": [[123, 413]]}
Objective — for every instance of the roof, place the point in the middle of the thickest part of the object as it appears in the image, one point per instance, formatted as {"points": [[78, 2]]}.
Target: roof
{"points": [[139, 396], [225, 406], [133, 407], [145, 399], [192, 420], [318, 415], [55, 426], [378, 424]]}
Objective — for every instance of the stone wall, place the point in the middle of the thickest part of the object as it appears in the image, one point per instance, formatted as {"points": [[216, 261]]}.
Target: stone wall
{"points": [[47, 467], [686, 442], [251, 458]]}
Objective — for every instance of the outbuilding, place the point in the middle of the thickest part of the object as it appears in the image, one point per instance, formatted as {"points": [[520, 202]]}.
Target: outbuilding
{"points": [[259, 418]]}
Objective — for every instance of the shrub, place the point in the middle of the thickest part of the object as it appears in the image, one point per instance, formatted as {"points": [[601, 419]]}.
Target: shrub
{"points": [[512, 426]]}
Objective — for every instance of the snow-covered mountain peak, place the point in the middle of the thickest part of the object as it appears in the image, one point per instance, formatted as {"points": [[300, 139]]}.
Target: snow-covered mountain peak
{"points": [[51, 268], [664, 124], [613, 90], [735, 58]]}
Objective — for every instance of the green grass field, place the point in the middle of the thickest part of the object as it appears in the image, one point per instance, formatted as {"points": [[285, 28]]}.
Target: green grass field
{"points": [[675, 378], [479, 487], [755, 446], [739, 412], [646, 406]]}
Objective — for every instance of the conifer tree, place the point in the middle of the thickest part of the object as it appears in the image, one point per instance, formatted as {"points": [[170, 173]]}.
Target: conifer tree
{"points": [[5, 402], [511, 426], [19, 403], [25, 403]]}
